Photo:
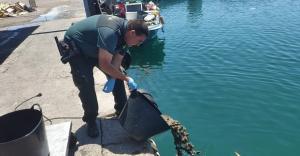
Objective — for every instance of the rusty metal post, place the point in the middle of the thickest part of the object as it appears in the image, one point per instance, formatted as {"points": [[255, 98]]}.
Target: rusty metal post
{"points": [[91, 7]]}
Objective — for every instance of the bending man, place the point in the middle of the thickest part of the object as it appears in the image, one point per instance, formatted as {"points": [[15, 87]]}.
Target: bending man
{"points": [[102, 40]]}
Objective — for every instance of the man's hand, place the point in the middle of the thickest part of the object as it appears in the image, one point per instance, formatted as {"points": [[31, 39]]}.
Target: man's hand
{"points": [[105, 64], [108, 65], [131, 84]]}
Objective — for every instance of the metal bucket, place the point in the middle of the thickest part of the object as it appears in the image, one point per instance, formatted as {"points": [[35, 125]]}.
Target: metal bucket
{"points": [[141, 117], [22, 133]]}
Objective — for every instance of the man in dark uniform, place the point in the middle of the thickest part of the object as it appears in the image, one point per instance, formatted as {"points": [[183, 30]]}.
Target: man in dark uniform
{"points": [[101, 40]]}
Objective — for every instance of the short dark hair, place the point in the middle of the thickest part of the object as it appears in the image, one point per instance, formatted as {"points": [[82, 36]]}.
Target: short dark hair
{"points": [[139, 26]]}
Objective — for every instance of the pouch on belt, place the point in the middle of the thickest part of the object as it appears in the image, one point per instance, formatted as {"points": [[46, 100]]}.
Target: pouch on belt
{"points": [[67, 49]]}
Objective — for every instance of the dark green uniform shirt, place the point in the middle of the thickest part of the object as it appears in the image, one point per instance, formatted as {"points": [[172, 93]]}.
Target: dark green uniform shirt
{"points": [[99, 31]]}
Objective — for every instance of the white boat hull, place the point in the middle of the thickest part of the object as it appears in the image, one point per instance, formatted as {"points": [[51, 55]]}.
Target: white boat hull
{"points": [[153, 29]]}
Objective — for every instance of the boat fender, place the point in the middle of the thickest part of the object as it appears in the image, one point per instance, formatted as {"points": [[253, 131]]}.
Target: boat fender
{"points": [[149, 17], [161, 20]]}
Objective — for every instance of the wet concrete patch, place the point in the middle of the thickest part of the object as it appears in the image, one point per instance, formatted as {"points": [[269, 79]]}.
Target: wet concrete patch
{"points": [[58, 12]]}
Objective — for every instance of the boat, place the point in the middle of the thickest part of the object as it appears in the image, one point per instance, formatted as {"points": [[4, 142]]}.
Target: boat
{"points": [[132, 9]]}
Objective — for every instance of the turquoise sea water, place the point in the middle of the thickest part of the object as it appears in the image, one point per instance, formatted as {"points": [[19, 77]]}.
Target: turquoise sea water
{"points": [[229, 70]]}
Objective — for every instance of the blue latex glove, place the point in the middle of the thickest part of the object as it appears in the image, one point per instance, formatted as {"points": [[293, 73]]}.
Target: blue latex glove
{"points": [[131, 84], [109, 85]]}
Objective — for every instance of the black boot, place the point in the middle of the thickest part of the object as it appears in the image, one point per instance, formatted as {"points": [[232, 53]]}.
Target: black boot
{"points": [[92, 129]]}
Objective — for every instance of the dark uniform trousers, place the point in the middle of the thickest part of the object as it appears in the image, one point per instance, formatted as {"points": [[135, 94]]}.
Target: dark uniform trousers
{"points": [[82, 73]]}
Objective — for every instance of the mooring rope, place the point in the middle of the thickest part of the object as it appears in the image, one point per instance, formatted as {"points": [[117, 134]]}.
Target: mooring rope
{"points": [[181, 137]]}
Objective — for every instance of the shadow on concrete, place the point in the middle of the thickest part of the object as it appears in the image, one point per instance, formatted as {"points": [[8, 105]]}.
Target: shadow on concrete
{"points": [[113, 139], [116, 140], [11, 38]]}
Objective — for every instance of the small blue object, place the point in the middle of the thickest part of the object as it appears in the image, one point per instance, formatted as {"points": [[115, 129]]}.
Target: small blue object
{"points": [[109, 86], [132, 85]]}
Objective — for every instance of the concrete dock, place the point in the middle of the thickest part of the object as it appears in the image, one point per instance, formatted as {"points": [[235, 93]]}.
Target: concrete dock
{"points": [[34, 66]]}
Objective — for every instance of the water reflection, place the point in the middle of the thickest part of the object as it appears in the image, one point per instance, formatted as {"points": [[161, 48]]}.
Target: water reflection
{"points": [[149, 55], [167, 3], [194, 8]]}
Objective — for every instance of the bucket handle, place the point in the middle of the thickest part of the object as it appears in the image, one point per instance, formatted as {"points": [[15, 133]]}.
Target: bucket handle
{"points": [[148, 97], [39, 107]]}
